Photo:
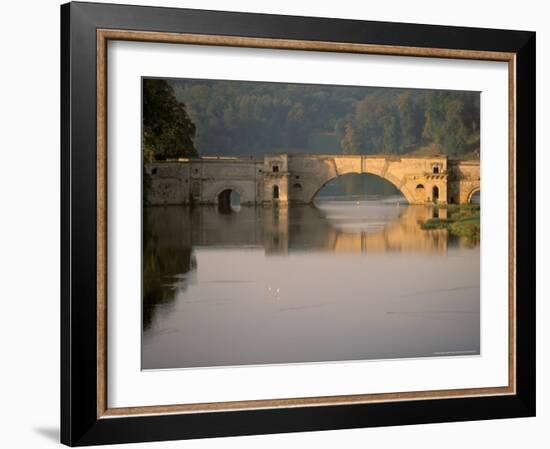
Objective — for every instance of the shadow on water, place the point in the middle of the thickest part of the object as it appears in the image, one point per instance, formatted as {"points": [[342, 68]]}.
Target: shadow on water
{"points": [[167, 259], [357, 225]]}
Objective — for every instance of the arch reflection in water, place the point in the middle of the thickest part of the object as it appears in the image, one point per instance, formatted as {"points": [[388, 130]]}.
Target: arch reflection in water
{"points": [[340, 281]]}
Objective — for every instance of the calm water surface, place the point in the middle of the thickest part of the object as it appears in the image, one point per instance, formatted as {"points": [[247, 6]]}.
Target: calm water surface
{"points": [[346, 279]]}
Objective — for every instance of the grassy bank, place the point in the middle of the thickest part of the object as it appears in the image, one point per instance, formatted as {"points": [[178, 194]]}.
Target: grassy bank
{"points": [[460, 220]]}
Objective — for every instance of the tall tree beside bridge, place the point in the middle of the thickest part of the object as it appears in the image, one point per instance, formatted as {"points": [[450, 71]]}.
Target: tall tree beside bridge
{"points": [[168, 132]]}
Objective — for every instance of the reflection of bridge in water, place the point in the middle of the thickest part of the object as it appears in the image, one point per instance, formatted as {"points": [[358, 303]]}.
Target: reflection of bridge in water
{"points": [[172, 233], [284, 229]]}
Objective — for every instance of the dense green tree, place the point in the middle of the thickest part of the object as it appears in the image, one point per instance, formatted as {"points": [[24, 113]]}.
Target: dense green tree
{"points": [[434, 117], [391, 134], [168, 131], [350, 142], [241, 117], [407, 119], [455, 132]]}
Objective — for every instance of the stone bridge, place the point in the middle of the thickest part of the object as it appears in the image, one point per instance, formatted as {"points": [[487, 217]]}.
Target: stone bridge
{"points": [[297, 178]]}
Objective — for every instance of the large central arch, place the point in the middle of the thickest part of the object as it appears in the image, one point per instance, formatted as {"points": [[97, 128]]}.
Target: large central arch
{"points": [[404, 191], [406, 174]]}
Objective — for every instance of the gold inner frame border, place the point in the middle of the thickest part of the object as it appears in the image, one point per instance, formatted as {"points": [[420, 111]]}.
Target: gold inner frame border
{"points": [[105, 35]]}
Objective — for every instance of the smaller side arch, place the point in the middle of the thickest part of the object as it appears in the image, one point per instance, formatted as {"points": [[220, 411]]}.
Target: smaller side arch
{"points": [[435, 194], [471, 193], [228, 187]]}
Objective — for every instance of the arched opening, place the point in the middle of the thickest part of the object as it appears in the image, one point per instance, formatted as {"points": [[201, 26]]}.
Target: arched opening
{"points": [[360, 203], [297, 186], [360, 187], [229, 201], [475, 198], [420, 193], [435, 194], [275, 192]]}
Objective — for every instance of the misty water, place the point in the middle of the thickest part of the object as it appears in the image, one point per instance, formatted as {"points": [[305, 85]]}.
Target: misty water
{"points": [[348, 278]]}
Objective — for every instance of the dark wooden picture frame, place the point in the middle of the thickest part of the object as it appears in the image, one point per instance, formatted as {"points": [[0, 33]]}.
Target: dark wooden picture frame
{"points": [[86, 29]]}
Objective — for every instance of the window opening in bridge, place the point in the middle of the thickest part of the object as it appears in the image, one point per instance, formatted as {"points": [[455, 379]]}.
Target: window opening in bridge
{"points": [[435, 194], [436, 169], [275, 192], [475, 198], [298, 186], [420, 186], [229, 201], [154, 171], [297, 176], [275, 169]]}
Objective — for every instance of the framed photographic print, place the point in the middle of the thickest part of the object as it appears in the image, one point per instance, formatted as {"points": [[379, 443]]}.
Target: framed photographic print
{"points": [[279, 224]]}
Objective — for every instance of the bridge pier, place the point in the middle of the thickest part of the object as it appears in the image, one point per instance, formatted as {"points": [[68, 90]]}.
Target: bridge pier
{"points": [[275, 180]]}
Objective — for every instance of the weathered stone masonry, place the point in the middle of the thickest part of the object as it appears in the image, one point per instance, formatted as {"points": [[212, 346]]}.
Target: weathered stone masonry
{"points": [[285, 178]]}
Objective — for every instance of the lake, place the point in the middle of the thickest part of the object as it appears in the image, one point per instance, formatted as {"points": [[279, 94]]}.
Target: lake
{"points": [[348, 278]]}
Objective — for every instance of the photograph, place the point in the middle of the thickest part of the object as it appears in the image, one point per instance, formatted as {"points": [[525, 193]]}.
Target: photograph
{"points": [[287, 223]]}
